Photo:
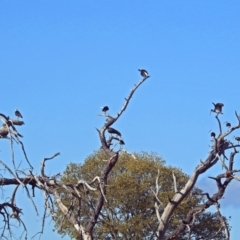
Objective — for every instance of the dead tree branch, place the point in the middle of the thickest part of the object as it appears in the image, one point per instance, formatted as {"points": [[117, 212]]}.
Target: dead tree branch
{"points": [[220, 144]]}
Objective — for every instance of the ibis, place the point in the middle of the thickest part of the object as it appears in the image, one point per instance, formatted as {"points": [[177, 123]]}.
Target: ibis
{"points": [[18, 114], [213, 134], [4, 131], [217, 108], [105, 109], [143, 72], [237, 139], [114, 131], [228, 124]]}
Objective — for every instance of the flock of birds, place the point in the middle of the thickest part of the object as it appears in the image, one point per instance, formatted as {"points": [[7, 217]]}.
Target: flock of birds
{"points": [[4, 130], [218, 110], [118, 135], [105, 109]]}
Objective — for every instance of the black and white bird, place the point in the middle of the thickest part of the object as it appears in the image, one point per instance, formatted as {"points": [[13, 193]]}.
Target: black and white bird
{"points": [[213, 134], [114, 131], [121, 142], [143, 72], [4, 131], [105, 109], [237, 139], [228, 124], [217, 108], [18, 114]]}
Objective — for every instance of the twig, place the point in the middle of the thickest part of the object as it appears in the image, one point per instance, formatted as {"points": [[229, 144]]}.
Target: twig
{"points": [[223, 164], [129, 97], [223, 222], [219, 124], [46, 159]]}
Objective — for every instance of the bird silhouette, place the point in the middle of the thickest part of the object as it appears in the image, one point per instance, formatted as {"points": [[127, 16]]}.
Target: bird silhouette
{"points": [[228, 124], [213, 134], [105, 109], [237, 139], [18, 114], [4, 131], [143, 72], [114, 131], [217, 108]]}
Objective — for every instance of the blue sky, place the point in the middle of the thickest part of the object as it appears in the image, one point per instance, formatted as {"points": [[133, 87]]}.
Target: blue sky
{"points": [[60, 61]]}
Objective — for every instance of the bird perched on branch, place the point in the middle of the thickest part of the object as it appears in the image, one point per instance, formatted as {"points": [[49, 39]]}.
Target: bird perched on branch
{"points": [[228, 124], [213, 134], [105, 109], [237, 139], [114, 131], [4, 131], [143, 72], [217, 108], [18, 114]]}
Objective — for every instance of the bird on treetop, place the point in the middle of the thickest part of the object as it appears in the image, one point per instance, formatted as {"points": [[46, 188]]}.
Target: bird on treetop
{"points": [[217, 108], [105, 109], [143, 72], [114, 131], [18, 114]]}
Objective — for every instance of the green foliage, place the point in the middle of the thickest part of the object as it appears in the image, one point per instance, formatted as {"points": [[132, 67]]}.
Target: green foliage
{"points": [[129, 212]]}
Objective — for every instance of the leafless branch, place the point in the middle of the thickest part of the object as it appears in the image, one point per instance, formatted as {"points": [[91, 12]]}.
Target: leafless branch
{"points": [[130, 96], [174, 182], [46, 159], [219, 124], [52, 187], [222, 222], [157, 201], [223, 164], [220, 145]]}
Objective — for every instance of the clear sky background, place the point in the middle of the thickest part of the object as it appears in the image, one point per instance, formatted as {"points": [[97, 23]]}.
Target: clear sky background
{"points": [[60, 61]]}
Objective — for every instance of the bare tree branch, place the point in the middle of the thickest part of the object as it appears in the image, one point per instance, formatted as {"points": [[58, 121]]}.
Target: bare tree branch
{"points": [[222, 222], [174, 182]]}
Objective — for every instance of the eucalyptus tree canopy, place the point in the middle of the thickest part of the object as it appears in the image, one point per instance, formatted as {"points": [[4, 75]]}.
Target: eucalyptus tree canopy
{"points": [[129, 212]]}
